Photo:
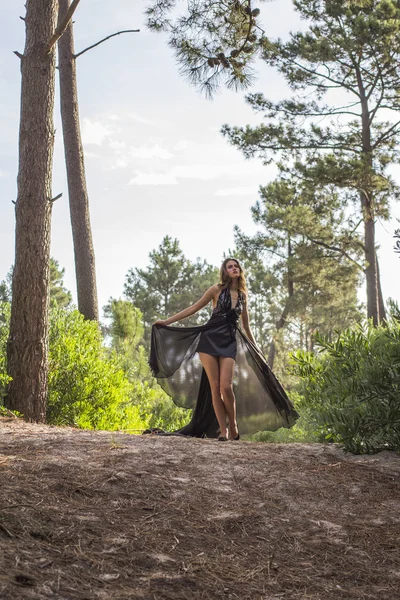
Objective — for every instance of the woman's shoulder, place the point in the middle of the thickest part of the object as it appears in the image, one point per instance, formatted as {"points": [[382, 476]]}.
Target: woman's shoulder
{"points": [[214, 290]]}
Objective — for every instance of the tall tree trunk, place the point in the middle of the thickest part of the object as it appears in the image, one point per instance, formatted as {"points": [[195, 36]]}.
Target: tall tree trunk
{"points": [[279, 325], [77, 190], [283, 318], [367, 207], [382, 309], [27, 348], [370, 259]]}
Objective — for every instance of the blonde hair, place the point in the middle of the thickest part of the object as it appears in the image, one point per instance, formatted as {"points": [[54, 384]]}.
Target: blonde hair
{"points": [[225, 280]]}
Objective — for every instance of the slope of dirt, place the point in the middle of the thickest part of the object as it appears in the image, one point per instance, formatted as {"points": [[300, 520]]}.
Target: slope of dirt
{"points": [[111, 516]]}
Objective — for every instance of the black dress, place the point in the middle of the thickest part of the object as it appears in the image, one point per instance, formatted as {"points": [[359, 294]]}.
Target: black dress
{"points": [[261, 402]]}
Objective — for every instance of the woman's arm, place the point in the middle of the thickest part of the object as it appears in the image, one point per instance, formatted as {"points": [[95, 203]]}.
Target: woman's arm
{"points": [[245, 321], [191, 310]]}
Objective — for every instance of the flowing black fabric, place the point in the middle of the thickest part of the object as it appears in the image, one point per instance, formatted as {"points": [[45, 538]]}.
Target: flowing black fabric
{"points": [[261, 402]]}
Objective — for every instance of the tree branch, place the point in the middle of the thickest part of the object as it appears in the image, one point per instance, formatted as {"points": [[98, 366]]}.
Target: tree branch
{"points": [[62, 26], [387, 133], [381, 95], [333, 112], [105, 39], [336, 249], [5, 530], [309, 146], [327, 77]]}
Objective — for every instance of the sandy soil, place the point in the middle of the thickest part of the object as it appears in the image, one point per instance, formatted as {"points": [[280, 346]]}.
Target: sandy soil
{"points": [[87, 515]]}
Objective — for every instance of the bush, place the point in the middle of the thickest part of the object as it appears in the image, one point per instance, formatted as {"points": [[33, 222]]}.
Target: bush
{"points": [[94, 387], [87, 386], [126, 333], [352, 387], [5, 310]]}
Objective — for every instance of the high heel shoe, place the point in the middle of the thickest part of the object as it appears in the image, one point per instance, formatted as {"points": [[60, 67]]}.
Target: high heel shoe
{"points": [[236, 438], [222, 438]]}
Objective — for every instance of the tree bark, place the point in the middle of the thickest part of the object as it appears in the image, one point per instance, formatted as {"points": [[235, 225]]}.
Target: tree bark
{"points": [[279, 325], [370, 260], [367, 207], [283, 318], [27, 348], [382, 309], [77, 189]]}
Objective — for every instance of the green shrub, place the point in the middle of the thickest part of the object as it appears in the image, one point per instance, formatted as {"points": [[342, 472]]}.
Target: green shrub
{"points": [[352, 387], [87, 386], [126, 332], [5, 311], [95, 387]]}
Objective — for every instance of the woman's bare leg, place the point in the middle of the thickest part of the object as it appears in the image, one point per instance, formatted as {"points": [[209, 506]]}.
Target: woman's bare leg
{"points": [[211, 366], [226, 369]]}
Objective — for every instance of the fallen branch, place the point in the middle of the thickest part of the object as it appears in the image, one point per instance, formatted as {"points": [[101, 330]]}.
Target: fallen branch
{"points": [[4, 528]]}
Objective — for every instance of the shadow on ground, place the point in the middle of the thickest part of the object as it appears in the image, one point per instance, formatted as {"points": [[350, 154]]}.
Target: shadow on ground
{"points": [[88, 515]]}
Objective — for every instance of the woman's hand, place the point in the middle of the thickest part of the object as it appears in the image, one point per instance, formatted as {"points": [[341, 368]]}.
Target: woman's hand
{"points": [[160, 322]]}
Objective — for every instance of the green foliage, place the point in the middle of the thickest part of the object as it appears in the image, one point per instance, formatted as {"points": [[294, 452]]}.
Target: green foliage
{"points": [[87, 386], [214, 42], [5, 311], [58, 293], [302, 268], [347, 133], [352, 387], [95, 387], [126, 331], [5, 288]]}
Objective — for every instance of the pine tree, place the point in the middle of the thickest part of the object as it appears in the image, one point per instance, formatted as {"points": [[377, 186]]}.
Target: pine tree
{"points": [[58, 293], [85, 268], [27, 347], [347, 139], [302, 265], [215, 43], [170, 283]]}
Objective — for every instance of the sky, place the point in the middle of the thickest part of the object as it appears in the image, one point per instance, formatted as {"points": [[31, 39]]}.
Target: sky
{"points": [[156, 163]]}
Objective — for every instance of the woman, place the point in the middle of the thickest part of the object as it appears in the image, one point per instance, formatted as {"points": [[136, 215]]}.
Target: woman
{"points": [[197, 366]]}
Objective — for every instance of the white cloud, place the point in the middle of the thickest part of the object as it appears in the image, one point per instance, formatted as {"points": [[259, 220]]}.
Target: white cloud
{"points": [[153, 179], [117, 145], [204, 172], [138, 118], [197, 171], [93, 132], [120, 163], [249, 190], [150, 152], [182, 145]]}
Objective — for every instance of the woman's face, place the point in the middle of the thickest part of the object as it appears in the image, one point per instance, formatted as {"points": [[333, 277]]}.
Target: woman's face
{"points": [[232, 268]]}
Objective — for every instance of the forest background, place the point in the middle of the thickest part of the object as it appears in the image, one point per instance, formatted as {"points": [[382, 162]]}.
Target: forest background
{"points": [[300, 289]]}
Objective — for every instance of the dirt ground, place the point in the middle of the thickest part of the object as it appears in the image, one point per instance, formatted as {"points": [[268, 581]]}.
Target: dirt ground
{"points": [[90, 515]]}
